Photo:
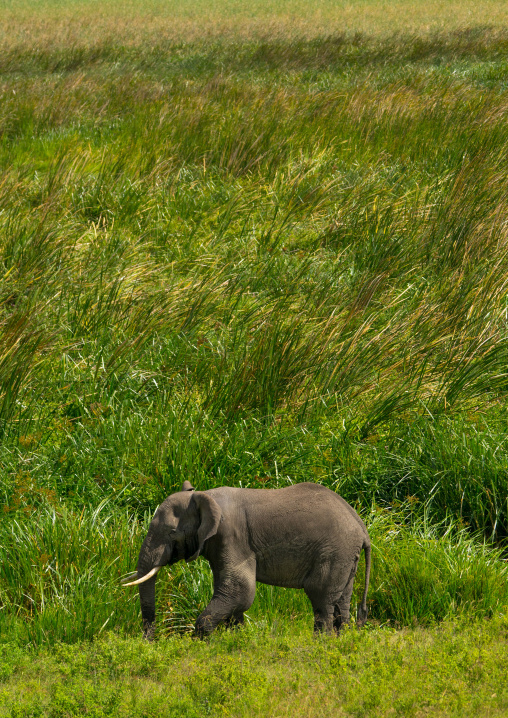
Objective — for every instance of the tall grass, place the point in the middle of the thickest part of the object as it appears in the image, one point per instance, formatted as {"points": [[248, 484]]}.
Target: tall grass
{"points": [[60, 578], [60, 575], [286, 311], [250, 258]]}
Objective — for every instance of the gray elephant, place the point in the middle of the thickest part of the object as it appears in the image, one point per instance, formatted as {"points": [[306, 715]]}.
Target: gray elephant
{"points": [[303, 536]]}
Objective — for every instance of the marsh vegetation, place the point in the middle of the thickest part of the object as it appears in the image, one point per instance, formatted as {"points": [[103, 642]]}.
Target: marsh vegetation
{"points": [[270, 246]]}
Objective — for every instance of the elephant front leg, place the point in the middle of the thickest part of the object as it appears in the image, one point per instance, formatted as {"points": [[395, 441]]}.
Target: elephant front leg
{"points": [[216, 612], [235, 621], [147, 600], [148, 630], [231, 598]]}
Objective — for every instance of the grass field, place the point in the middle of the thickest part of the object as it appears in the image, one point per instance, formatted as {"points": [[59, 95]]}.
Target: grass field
{"points": [[254, 244], [453, 671]]}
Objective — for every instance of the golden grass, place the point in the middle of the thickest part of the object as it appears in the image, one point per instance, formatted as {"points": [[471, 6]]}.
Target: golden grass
{"points": [[138, 23]]}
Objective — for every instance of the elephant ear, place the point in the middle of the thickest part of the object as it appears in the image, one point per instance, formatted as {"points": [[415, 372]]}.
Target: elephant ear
{"points": [[210, 517]]}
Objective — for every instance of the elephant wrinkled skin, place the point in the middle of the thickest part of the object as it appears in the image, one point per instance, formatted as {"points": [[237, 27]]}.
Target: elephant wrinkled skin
{"points": [[303, 536]]}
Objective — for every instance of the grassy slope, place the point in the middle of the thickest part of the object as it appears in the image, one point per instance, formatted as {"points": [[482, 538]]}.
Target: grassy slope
{"points": [[255, 260], [132, 23], [267, 247]]}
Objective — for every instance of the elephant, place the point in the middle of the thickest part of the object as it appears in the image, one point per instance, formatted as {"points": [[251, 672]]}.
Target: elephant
{"points": [[300, 536]]}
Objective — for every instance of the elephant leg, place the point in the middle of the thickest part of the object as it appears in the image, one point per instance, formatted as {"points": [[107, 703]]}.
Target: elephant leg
{"points": [[231, 598], [216, 612], [343, 605], [341, 610], [235, 620], [148, 630], [323, 612]]}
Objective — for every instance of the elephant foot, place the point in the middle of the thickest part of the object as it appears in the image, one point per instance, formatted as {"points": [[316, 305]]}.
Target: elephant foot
{"points": [[340, 622], [148, 631], [205, 625], [234, 621], [341, 625], [323, 625]]}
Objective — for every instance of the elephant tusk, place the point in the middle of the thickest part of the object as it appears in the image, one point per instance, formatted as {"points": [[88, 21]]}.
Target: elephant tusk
{"points": [[145, 578], [129, 577]]}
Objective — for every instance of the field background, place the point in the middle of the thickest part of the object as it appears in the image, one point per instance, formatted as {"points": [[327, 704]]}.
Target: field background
{"points": [[253, 244]]}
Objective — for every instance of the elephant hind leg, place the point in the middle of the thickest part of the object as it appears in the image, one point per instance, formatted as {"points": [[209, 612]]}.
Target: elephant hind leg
{"points": [[331, 604], [323, 620], [342, 607], [322, 606], [338, 625]]}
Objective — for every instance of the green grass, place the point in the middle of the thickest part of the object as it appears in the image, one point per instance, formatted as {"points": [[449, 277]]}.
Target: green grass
{"points": [[262, 248], [60, 578], [276, 278], [458, 669]]}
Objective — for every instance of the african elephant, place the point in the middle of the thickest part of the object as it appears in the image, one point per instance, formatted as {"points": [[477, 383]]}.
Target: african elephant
{"points": [[302, 536]]}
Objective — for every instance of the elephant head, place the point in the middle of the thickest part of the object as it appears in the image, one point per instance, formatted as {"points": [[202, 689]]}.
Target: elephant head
{"points": [[178, 531]]}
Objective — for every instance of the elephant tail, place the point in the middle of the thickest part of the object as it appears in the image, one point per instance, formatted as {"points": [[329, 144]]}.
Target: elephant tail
{"points": [[362, 612]]}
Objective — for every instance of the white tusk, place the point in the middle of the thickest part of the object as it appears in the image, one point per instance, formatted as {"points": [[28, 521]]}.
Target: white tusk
{"points": [[128, 578], [145, 578]]}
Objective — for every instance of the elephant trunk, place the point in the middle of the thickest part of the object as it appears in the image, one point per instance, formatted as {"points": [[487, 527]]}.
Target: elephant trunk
{"points": [[147, 601], [151, 559]]}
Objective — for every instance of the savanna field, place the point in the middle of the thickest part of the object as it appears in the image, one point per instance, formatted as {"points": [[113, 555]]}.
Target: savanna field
{"points": [[253, 244]]}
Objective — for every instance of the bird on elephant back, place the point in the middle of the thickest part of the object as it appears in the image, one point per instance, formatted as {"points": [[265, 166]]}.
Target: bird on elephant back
{"points": [[301, 536]]}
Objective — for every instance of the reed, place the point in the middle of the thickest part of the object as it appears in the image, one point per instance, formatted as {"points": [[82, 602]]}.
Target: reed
{"points": [[60, 577], [258, 256]]}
